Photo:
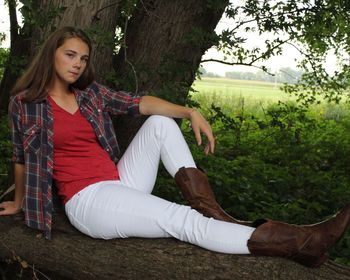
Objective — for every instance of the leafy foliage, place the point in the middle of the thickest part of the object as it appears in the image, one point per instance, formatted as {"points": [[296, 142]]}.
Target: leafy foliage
{"points": [[3, 57]]}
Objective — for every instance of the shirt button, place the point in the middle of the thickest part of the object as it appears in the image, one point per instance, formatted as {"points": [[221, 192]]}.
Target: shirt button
{"points": [[91, 120], [107, 149], [99, 110], [100, 136], [33, 131]]}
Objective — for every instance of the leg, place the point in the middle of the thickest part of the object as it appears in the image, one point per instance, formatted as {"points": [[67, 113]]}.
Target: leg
{"points": [[110, 210], [161, 138], [196, 190], [158, 138]]}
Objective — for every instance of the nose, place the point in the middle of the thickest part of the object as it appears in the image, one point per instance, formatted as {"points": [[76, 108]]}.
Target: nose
{"points": [[77, 63]]}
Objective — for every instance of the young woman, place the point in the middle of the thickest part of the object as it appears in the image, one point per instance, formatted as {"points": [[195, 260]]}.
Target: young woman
{"points": [[62, 134]]}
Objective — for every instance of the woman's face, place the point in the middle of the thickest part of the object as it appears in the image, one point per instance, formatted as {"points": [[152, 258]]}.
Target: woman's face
{"points": [[70, 60]]}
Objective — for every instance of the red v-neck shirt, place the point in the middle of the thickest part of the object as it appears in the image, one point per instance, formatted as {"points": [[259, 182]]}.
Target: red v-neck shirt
{"points": [[79, 160]]}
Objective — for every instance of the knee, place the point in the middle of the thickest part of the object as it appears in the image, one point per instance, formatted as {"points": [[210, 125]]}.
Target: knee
{"points": [[157, 120], [161, 124]]}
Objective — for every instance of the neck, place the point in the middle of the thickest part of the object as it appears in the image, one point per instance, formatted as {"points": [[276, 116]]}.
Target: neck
{"points": [[57, 88]]}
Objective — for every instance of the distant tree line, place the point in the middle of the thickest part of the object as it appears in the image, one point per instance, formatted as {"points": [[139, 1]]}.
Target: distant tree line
{"points": [[283, 75]]}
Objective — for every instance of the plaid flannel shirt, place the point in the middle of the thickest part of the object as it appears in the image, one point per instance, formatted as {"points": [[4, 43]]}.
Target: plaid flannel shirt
{"points": [[32, 138]]}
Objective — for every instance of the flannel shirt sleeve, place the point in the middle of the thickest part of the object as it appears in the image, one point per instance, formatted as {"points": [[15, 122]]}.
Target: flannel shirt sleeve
{"points": [[14, 113], [120, 102]]}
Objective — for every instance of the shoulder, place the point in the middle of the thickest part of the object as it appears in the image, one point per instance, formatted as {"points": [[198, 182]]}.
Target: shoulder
{"points": [[16, 100], [92, 89], [96, 90], [18, 97], [95, 87], [19, 105]]}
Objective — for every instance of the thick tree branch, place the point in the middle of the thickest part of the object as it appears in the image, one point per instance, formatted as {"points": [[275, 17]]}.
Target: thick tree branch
{"points": [[72, 255]]}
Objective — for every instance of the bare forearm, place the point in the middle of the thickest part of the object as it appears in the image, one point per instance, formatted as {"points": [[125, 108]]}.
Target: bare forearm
{"points": [[19, 183], [151, 105]]}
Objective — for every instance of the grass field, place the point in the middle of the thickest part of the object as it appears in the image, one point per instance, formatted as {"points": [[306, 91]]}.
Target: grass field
{"points": [[254, 90], [232, 95], [254, 96]]}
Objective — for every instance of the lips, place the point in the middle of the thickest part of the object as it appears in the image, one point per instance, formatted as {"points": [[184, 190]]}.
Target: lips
{"points": [[74, 73]]}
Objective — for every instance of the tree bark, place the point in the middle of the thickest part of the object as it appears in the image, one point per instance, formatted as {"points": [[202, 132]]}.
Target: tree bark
{"points": [[161, 44], [72, 255], [19, 50], [165, 41]]}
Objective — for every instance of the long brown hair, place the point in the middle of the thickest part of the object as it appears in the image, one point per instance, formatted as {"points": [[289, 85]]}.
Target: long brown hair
{"points": [[40, 73]]}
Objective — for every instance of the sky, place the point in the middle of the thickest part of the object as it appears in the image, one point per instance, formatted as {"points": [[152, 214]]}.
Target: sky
{"points": [[289, 57], [4, 22]]}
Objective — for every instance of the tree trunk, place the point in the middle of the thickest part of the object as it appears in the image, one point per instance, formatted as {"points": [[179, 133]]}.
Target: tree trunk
{"points": [[162, 46], [19, 51], [165, 41], [72, 255]]}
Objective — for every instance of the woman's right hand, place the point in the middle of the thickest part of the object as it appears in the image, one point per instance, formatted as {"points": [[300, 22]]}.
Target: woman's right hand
{"points": [[9, 208]]}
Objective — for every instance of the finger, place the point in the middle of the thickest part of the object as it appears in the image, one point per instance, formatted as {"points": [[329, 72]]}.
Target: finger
{"points": [[198, 136], [4, 204], [212, 146], [9, 211], [211, 141], [206, 149], [3, 212]]}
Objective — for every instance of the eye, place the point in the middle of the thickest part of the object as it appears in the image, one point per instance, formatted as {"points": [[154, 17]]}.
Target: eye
{"points": [[70, 55]]}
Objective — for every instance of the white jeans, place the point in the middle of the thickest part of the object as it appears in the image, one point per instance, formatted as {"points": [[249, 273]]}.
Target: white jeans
{"points": [[126, 208]]}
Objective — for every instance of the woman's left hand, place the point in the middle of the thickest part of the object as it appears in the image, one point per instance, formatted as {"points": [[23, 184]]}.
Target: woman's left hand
{"points": [[200, 125]]}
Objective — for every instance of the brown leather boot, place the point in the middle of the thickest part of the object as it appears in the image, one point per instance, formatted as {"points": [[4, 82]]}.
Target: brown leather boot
{"points": [[195, 188], [306, 245]]}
